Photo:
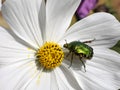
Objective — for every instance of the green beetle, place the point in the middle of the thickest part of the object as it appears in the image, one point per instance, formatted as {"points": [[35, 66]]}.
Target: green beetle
{"points": [[82, 50]]}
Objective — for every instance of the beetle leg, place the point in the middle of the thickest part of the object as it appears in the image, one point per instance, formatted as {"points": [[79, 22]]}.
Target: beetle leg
{"points": [[71, 60], [82, 63], [89, 41], [68, 54]]}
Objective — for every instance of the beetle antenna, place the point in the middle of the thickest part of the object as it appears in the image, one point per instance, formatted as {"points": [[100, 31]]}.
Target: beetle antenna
{"points": [[66, 41]]}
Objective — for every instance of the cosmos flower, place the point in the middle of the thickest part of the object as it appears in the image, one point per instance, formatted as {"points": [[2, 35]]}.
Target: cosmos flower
{"points": [[85, 7], [32, 56]]}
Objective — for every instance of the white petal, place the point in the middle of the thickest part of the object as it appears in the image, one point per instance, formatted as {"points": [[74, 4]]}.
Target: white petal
{"points": [[44, 80], [59, 79], [40, 82], [102, 27], [106, 60], [65, 79], [42, 19], [58, 15], [22, 16], [95, 79], [54, 81], [15, 76], [12, 51], [17, 62]]}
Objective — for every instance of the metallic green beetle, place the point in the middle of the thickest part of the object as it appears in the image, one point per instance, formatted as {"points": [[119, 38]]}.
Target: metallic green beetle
{"points": [[82, 50]]}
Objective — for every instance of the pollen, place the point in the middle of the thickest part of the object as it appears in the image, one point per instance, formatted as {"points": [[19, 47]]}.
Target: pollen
{"points": [[50, 55]]}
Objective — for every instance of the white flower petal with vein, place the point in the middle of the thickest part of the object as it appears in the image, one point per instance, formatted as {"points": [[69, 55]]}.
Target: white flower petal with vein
{"points": [[35, 26]]}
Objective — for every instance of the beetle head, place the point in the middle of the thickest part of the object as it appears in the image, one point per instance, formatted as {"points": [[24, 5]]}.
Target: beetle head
{"points": [[65, 45]]}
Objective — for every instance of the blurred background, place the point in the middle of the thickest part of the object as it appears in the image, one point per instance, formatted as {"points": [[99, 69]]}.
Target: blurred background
{"points": [[86, 8], [112, 5]]}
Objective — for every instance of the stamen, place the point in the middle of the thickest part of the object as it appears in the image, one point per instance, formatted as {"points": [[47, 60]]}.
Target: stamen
{"points": [[50, 55]]}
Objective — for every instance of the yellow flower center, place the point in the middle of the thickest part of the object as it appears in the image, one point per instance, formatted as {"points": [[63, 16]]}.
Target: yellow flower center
{"points": [[50, 55]]}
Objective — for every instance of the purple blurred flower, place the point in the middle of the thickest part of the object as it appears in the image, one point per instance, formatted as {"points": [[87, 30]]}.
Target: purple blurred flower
{"points": [[85, 7]]}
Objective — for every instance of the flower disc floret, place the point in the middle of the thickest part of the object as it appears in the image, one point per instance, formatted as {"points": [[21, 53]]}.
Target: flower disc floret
{"points": [[50, 55]]}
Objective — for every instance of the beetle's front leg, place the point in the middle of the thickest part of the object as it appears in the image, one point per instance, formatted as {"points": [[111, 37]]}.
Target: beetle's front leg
{"points": [[68, 53], [71, 60]]}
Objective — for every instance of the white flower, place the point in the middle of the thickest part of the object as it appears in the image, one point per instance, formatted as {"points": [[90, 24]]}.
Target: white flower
{"points": [[32, 24]]}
